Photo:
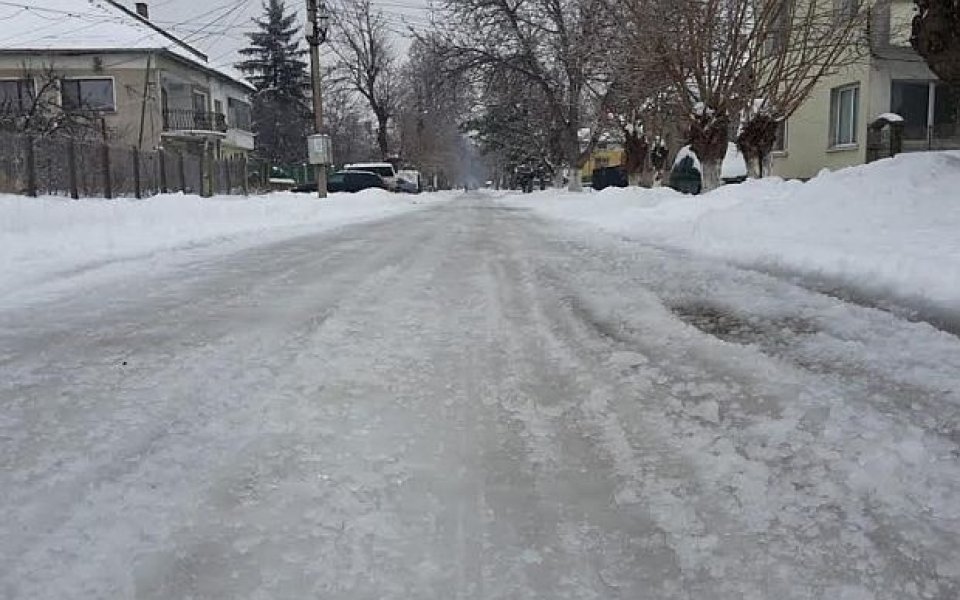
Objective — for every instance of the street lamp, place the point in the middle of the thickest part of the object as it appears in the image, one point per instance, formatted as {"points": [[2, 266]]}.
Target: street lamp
{"points": [[318, 144]]}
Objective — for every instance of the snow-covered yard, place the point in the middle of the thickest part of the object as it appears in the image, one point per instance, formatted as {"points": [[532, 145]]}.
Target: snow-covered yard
{"points": [[888, 229], [42, 238]]}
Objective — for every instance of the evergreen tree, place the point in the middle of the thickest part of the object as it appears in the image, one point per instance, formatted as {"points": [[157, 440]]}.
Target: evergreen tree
{"points": [[275, 66]]}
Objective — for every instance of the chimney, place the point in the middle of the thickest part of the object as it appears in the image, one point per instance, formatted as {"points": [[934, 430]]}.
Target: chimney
{"points": [[143, 11]]}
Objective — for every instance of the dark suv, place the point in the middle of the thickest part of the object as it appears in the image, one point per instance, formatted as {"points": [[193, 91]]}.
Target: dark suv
{"points": [[346, 181]]}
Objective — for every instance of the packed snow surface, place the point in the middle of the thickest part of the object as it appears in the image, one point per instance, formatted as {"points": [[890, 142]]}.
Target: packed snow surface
{"points": [[887, 229], [468, 401]]}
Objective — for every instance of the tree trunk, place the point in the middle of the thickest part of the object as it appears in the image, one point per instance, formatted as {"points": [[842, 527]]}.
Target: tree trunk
{"points": [[755, 142], [576, 180], [710, 174], [708, 139], [382, 141], [574, 159], [635, 151]]}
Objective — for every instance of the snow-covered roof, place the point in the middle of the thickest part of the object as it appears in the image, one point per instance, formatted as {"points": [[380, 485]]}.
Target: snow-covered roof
{"points": [[91, 25]]}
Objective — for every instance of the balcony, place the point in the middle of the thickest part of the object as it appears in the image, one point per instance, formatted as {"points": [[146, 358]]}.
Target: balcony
{"points": [[187, 120]]}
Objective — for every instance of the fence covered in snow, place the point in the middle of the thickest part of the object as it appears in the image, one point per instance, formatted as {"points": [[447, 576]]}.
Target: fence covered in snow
{"points": [[80, 168]]}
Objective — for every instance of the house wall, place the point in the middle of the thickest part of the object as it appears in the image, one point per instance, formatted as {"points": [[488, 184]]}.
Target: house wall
{"points": [[180, 80], [128, 72], [808, 130]]}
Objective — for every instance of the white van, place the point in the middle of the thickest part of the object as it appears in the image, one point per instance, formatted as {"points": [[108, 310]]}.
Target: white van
{"points": [[383, 169]]}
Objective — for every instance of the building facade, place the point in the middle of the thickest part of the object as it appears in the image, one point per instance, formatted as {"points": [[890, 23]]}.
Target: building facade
{"points": [[831, 129], [147, 88]]}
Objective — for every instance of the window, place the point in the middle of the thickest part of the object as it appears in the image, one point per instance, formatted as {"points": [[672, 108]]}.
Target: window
{"points": [[843, 115], [926, 107], [199, 102], [779, 33], [16, 96], [218, 107], [911, 100], [239, 114], [88, 94], [845, 9], [780, 141]]}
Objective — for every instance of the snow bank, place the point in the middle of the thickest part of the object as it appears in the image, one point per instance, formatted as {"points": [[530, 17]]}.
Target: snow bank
{"points": [[888, 228], [41, 237]]}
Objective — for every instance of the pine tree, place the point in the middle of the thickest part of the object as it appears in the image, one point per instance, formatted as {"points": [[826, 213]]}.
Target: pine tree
{"points": [[275, 66]]}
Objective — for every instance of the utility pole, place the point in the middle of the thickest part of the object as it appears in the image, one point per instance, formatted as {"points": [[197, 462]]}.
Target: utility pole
{"points": [[318, 19]]}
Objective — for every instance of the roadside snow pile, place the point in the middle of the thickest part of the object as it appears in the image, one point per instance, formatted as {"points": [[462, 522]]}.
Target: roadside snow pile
{"points": [[41, 237], [889, 228]]}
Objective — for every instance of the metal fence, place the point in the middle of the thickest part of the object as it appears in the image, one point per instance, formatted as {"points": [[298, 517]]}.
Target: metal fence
{"points": [[69, 167]]}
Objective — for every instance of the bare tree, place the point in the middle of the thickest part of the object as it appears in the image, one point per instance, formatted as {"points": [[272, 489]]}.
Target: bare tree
{"points": [[38, 111], [351, 135], [433, 105], [556, 45], [750, 60], [366, 59]]}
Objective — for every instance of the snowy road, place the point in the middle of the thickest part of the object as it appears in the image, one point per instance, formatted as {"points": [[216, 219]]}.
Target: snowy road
{"points": [[468, 402]]}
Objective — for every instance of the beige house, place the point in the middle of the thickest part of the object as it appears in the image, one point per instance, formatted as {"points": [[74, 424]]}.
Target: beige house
{"points": [[831, 129], [103, 58]]}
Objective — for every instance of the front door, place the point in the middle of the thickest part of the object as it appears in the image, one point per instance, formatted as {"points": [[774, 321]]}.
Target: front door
{"points": [[200, 111]]}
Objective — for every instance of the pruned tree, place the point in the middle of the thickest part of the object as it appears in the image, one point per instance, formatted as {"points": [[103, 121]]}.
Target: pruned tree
{"points": [[555, 45], [641, 105], [746, 62], [701, 46], [367, 61], [275, 66], [935, 36], [794, 46]]}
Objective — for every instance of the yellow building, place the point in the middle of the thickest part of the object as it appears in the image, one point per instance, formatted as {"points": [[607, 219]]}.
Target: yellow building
{"points": [[606, 154]]}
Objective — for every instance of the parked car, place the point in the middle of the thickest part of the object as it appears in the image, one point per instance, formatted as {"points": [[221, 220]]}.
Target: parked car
{"points": [[346, 181], [412, 176], [383, 169], [605, 177], [408, 187]]}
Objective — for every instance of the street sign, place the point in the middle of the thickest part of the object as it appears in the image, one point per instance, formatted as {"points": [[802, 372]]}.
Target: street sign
{"points": [[318, 149]]}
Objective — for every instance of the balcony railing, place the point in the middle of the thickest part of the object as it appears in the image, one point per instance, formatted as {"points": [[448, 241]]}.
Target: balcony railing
{"points": [[192, 120]]}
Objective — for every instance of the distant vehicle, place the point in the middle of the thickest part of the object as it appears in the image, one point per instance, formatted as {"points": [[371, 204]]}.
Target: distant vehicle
{"points": [[383, 169], [346, 181], [409, 187], [411, 176], [605, 177]]}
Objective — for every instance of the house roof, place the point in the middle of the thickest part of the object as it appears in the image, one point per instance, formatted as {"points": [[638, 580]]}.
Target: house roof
{"points": [[92, 25]]}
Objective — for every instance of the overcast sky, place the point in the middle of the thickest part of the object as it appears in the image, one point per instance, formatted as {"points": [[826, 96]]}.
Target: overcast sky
{"points": [[217, 26]]}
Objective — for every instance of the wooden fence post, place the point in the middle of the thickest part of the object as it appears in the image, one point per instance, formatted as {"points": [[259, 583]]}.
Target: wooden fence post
{"points": [[202, 164], [31, 166], [136, 173], [72, 169], [105, 162], [105, 170], [183, 172], [162, 161], [243, 175], [227, 167]]}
